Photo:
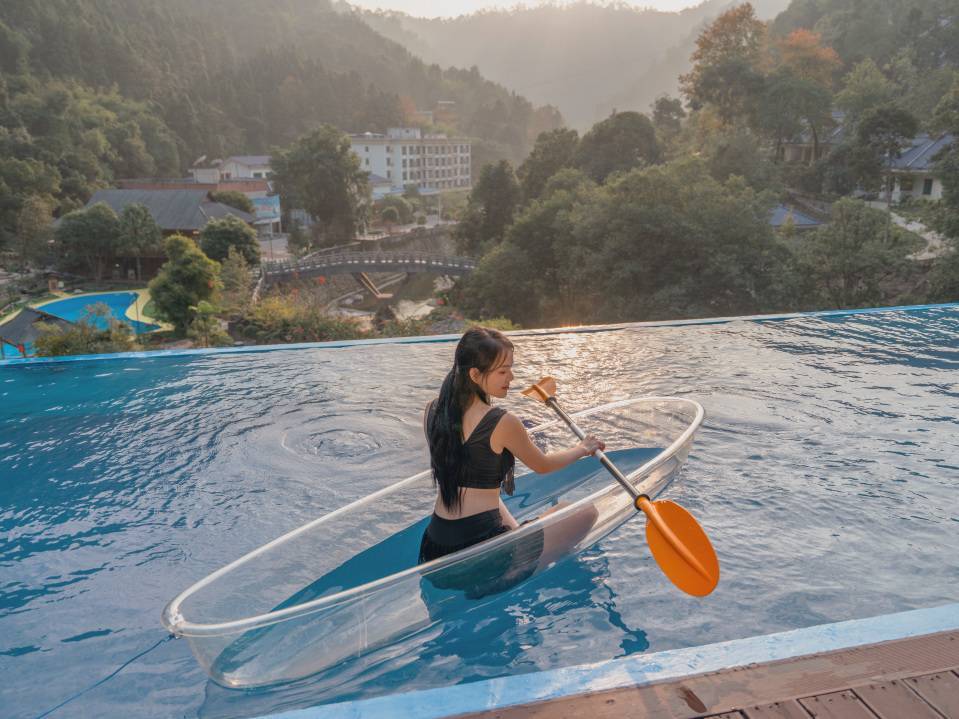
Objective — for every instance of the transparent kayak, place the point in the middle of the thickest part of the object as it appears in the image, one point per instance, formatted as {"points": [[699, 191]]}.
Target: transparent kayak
{"points": [[348, 583]]}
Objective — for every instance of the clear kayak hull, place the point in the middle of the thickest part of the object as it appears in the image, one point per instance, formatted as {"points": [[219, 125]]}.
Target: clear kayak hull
{"points": [[348, 583]]}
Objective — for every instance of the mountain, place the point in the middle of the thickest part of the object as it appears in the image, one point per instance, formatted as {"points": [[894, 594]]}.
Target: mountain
{"points": [[242, 75], [586, 59]]}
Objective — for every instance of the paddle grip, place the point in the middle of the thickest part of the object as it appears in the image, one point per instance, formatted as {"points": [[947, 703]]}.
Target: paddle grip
{"points": [[599, 454]]}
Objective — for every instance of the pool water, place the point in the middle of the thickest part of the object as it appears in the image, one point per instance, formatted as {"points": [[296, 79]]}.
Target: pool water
{"points": [[825, 474], [73, 308]]}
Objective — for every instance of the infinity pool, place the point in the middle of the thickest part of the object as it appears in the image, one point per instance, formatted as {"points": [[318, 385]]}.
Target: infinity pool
{"points": [[74, 308], [825, 474]]}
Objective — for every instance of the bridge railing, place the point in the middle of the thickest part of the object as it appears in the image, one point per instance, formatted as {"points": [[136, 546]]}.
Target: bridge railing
{"points": [[365, 259]]}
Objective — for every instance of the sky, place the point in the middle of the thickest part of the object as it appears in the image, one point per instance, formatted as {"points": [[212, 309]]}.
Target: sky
{"points": [[452, 8]]}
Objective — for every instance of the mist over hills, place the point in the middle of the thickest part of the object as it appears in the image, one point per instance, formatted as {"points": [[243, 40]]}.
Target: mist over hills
{"points": [[585, 58]]}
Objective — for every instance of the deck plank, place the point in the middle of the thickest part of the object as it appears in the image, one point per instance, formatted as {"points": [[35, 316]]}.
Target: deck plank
{"points": [[941, 690], [894, 699], [777, 710], [838, 705]]}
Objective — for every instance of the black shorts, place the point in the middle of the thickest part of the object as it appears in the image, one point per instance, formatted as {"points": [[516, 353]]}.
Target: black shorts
{"points": [[489, 573]]}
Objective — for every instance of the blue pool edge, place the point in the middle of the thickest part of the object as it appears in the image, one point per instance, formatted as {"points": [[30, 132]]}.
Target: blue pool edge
{"points": [[639, 669], [422, 339]]}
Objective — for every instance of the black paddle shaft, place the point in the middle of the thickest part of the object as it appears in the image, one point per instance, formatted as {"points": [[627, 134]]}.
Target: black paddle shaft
{"points": [[613, 470]]}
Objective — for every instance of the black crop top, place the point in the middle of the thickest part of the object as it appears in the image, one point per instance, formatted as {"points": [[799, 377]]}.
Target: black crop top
{"points": [[486, 469]]}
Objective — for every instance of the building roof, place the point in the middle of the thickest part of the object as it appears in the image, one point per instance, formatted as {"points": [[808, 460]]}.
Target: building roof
{"points": [[378, 180], [801, 220], [22, 329], [251, 160], [922, 152], [188, 210]]}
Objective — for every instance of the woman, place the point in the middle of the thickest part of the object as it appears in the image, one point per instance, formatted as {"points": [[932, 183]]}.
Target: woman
{"points": [[472, 449]]}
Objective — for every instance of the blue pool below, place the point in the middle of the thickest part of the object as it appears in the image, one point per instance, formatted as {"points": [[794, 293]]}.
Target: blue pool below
{"points": [[73, 308], [825, 474]]}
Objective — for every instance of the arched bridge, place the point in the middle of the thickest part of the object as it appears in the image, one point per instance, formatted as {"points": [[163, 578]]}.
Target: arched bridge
{"points": [[352, 262]]}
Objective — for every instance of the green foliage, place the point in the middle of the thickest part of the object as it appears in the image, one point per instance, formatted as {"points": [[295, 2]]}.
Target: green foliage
{"points": [[404, 209], [237, 282], [321, 174], [34, 229], [947, 168], [137, 233], [205, 329], [87, 336], [726, 70], [490, 210], [668, 114], [235, 199], [865, 88], [389, 216], [218, 236], [298, 242], [187, 278], [944, 278], [553, 151], [89, 237], [884, 132], [292, 318], [661, 241], [879, 30], [849, 258], [622, 141]]}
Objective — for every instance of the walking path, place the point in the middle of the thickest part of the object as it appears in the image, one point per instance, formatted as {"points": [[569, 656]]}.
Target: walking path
{"points": [[936, 244]]}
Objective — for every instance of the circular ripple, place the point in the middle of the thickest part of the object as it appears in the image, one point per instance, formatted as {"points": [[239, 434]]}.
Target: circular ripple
{"points": [[335, 443]]}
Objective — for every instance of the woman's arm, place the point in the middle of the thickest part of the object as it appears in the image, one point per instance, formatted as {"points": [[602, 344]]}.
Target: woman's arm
{"points": [[511, 434]]}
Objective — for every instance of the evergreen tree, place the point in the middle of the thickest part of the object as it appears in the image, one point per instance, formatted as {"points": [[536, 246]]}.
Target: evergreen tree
{"points": [[187, 278]]}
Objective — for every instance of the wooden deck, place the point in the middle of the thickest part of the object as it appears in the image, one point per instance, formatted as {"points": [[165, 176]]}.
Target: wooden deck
{"points": [[914, 678]]}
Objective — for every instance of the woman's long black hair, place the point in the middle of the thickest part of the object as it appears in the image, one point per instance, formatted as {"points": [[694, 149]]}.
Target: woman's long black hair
{"points": [[483, 349]]}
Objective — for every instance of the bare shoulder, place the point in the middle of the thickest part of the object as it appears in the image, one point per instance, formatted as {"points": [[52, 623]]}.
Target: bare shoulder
{"points": [[510, 424]]}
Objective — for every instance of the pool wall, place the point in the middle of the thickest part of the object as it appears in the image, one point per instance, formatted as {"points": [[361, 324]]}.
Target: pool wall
{"points": [[454, 337], [640, 670]]}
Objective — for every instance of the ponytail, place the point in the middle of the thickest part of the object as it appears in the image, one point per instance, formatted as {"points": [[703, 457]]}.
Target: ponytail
{"points": [[449, 457]]}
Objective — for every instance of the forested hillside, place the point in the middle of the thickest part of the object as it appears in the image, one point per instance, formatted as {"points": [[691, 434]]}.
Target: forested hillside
{"points": [[585, 58], [91, 90]]}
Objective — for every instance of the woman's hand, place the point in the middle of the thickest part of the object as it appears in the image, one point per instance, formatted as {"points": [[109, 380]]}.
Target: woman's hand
{"points": [[590, 444]]}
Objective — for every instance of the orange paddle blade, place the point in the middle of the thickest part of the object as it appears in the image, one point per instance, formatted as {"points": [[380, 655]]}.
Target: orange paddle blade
{"points": [[680, 547], [542, 390]]}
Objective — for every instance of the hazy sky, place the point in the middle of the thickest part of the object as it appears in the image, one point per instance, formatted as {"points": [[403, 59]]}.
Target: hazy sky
{"points": [[451, 8]]}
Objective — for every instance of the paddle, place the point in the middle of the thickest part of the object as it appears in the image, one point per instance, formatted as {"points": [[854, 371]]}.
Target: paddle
{"points": [[678, 544]]}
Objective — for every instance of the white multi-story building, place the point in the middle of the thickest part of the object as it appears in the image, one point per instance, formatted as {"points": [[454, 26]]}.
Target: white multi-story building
{"points": [[404, 156]]}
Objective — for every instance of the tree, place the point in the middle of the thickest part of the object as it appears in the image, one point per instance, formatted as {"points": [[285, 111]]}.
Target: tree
{"points": [[668, 114], [320, 173], [187, 278], [218, 236], [298, 241], [138, 231], [864, 88], [34, 228], [89, 236], [791, 103], [490, 209], [553, 151], [235, 199], [237, 281], [389, 216], [886, 131], [404, 210], [803, 54], [205, 329], [622, 141], [727, 61], [849, 257]]}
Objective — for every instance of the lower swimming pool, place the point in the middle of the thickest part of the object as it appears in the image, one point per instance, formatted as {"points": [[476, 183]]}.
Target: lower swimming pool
{"points": [[73, 308], [825, 475]]}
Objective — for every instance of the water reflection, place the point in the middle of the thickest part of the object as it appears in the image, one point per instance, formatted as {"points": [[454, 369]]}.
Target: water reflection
{"points": [[572, 604]]}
